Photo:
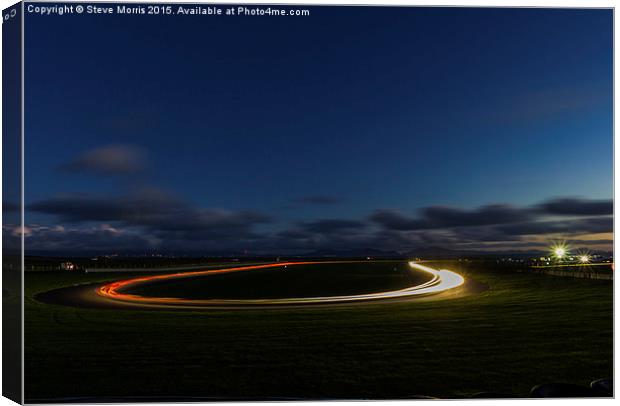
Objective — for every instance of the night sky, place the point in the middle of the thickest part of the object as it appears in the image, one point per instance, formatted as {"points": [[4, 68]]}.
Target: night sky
{"points": [[355, 128]]}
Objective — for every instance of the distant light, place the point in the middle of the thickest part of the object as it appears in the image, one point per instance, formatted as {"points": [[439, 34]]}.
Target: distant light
{"points": [[559, 251], [584, 259]]}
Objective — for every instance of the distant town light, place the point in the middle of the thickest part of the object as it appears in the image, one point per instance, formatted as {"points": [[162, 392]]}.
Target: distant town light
{"points": [[584, 259]]}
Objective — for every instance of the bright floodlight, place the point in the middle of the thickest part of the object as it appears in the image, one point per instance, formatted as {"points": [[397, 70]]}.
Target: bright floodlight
{"points": [[584, 259], [559, 251]]}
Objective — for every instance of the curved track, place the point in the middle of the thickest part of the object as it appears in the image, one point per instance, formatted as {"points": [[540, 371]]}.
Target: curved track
{"points": [[440, 281], [442, 284]]}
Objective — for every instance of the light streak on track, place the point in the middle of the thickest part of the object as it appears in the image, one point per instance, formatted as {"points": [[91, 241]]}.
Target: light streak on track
{"points": [[441, 280]]}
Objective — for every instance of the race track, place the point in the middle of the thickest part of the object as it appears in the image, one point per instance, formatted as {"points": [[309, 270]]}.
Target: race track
{"points": [[442, 284]]}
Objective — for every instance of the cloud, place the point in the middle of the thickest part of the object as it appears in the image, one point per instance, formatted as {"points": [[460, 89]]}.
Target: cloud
{"points": [[576, 226], [109, 160], [434, 217], [495, 224], [156, 215], [442, 217], [577, 207], [146, 208], [318, 200], [331, 225], [153, 218], [99, 238], [321, 234]]}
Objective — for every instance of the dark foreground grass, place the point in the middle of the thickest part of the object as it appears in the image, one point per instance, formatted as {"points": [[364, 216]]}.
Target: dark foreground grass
{"points": [[525, 330]]}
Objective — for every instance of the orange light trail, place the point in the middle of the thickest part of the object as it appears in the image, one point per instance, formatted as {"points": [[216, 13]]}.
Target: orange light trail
{"points": [[441, 280]]}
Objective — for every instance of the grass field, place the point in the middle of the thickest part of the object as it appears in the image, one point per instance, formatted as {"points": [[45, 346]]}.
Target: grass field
{"points": [[525, 330]]}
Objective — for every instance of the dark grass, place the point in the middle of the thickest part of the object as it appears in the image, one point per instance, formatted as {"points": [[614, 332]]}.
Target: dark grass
{"points": [[603, 269], [290, 281], [525, 330]]}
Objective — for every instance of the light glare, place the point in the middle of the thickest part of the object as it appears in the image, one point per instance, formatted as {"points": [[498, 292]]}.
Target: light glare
{"points": [[559, 251]]}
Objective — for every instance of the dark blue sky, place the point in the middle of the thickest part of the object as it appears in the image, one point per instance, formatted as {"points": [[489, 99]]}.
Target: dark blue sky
{"points": [[342, 116]]}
